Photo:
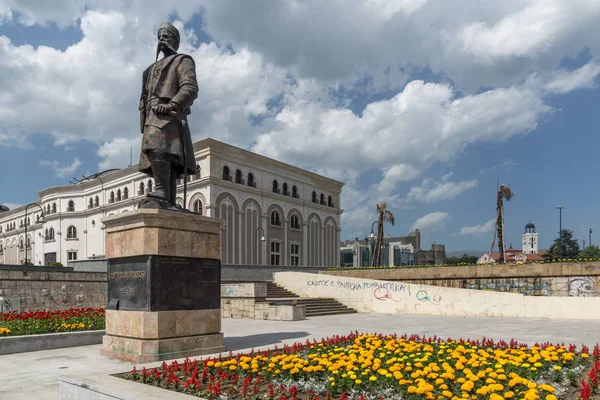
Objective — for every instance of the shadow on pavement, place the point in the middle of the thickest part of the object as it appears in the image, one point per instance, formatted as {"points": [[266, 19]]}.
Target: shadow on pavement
{"points": [[233, 343]]}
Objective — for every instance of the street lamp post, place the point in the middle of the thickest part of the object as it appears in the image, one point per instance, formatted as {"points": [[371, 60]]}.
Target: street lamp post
{"points": [[43, 219], [434, 254], [560, 208], [262, 239], [590, 241]]}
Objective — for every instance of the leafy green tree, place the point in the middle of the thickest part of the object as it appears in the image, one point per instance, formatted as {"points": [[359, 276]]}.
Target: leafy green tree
{"points": [[452, 260], [468, 259], [590, 252], [565, 248]]}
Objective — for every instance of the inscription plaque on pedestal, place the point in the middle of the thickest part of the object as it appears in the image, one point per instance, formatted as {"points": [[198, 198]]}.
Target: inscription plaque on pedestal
{"points": [[164, 283]]}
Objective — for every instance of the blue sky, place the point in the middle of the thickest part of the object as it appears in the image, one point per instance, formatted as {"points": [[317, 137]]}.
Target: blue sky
{"points": [[425, 106]]}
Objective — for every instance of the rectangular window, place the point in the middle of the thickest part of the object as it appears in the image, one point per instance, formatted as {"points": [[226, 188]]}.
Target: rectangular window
{"points": [[72, 255], [275, 253], [295, 254]]}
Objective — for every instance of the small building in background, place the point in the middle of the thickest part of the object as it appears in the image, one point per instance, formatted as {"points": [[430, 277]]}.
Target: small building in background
{"points": [[529, 253]]}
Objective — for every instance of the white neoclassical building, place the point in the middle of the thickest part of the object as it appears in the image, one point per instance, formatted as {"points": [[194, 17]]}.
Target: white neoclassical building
{"points": [[275, 213]]}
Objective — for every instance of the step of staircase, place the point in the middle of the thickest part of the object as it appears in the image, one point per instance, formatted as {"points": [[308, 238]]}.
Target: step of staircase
{"points": [[317, 306]]}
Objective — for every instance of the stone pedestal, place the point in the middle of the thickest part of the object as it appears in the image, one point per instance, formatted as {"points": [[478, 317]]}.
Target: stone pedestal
{"points": [[164, 274]]}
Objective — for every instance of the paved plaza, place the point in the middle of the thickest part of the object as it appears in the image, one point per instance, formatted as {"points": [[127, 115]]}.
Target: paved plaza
{"points": [[29, 376]]}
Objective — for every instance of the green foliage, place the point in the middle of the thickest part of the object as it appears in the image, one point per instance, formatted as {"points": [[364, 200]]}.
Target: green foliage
{"points": [[56, 264], [590, 252], [465, 259], [565, 248]]}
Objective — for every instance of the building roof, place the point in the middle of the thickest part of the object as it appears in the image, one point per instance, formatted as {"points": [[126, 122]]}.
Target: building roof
{"points": [[3, 208]]}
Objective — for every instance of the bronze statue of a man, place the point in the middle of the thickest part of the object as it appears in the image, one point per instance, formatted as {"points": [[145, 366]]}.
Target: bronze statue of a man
{"points": [[169, 88]]}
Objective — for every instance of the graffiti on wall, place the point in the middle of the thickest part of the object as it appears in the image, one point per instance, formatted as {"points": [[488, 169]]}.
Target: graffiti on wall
{"points": [[574, 286], [382, 291]]}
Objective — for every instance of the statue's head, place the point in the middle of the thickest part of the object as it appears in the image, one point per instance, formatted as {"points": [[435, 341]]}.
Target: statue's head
{"points": [[168, 35]]}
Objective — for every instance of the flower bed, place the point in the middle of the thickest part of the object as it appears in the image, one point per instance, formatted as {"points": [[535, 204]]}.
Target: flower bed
{"points": [[38, 322], [374, 367]]}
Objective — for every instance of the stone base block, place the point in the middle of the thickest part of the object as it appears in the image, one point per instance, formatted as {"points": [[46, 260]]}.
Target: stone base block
{"points": [[162, 324], [140, 351]]}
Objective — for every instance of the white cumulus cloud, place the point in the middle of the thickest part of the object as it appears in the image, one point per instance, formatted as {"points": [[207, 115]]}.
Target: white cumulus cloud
{"points": [[477, 229], [431, 222], [59, 170]]}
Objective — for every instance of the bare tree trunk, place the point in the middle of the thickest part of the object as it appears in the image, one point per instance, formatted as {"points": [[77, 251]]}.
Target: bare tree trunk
{"points": [[503, 241]]}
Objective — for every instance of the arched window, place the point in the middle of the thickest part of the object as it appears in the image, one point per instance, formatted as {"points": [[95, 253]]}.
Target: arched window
{"points": [[295, 192], [238, 176], [149, 185], [197, 207], [71, 232], [322, 199], [125, 193], [96, 201], [28, 242], [91, 203], [275, 186], [20, 223], [111, 198], [46, 234], [118, 194], [295, 222], [28, 221], [226, 175], [21, 243], [197, 171], [1, 248], [37, 219], [71, 206], [285, 189], [251, 180], [330, 201], [51, 233], [314, 197], [275, 218], [142, 189]]}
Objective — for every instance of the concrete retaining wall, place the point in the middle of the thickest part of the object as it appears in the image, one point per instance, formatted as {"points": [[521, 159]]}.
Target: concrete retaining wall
{"points": [[247, 300], [393, 297], [549, 279], [58, 288], [48, 341]]}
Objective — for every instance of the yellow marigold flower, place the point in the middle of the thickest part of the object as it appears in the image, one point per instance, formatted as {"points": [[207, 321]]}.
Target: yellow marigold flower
{"points": [[495, 396], [447, 394], [509, 395], [546, 388], [412, 389], [373, 378], [557, 367], [358, 381], [551, 397], [584, 355]]}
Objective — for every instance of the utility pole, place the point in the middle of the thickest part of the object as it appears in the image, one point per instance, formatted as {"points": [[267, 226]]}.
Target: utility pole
{"points": [[590, 241], [583, 244], [560, 229]]}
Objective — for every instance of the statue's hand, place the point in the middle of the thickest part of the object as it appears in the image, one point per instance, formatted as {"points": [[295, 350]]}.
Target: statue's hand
{"points": [[165, 109]]}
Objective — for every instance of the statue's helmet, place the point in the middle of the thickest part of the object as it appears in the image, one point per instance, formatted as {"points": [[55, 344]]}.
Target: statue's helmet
{"points": [[169, 27]]}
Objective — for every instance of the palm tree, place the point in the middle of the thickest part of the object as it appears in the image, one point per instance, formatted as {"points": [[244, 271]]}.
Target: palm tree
{"points": [[385, 215], [504, 192]]}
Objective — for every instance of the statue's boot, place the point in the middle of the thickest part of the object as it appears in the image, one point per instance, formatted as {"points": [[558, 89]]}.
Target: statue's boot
{"points": [[162, 195]]}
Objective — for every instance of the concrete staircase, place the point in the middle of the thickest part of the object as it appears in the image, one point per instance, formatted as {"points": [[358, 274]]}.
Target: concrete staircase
{"points": [[314, 306]]}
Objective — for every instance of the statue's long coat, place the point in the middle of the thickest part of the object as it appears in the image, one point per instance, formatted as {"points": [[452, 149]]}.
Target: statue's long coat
{"points": [[170, 80]]}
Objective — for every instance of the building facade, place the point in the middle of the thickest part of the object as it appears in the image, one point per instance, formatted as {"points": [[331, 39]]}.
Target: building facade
{"points": [[274, 213], [529, 253]]}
